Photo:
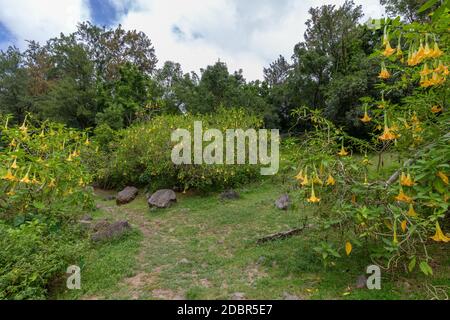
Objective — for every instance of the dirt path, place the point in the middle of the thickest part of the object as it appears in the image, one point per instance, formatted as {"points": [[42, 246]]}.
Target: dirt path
{"points": [[135, 286]]}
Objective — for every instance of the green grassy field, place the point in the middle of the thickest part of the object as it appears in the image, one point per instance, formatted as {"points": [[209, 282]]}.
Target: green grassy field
{"points": [[205, 248]]}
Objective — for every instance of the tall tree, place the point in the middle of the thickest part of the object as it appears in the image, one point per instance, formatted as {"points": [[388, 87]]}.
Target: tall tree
{"points": [[14, 82], [110, 49], [406, 9], [277, 72]]}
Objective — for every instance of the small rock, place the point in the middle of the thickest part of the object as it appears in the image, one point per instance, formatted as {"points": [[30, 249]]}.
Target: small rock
{"points": [[184, 261], [261, 260], [238, 296], [109, 198], [361, 282], [126, 195], [86, 218], [288, 296], [85, 223], [162, 198], [229, 195], [407, 286], [114, 230], [101, 225], [205, 283], [283, 202]]}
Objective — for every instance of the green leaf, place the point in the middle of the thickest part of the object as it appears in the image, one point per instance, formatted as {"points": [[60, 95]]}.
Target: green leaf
{"points": [[425, 268], [427, 5], [412, 264]]}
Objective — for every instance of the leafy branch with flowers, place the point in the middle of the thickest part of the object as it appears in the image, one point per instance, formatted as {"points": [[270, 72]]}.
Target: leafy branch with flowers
{"points": [[401, 213]]}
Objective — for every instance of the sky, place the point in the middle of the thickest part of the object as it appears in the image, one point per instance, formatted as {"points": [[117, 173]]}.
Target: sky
{"points": [[245, 34]]}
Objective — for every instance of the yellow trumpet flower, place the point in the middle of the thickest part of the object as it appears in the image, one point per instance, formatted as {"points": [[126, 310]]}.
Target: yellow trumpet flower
{"points": [[384, 73], [399, 51], [316, 179], [52, 183], [436, 52], [305, 181], [427, 51], [406, 180], [436, 109], [442, 69], [420, 53], [443, 177], [437, 79], [403, 225], [439, 235], [348, 248], [343, 152], [402, 197], [425, 82], [425, 71], [388, 51], [330, 180], [34, 180], [366, 183], [387, 134], [25, 179], [395, 240], [14, 164], [366, 118], [313, 198], [299, 176], [9, 176], [411, 211]]}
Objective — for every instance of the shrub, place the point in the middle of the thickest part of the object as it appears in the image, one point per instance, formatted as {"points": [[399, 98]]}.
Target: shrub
{"points": [[142, 156], [44, 191], [400, 214]]}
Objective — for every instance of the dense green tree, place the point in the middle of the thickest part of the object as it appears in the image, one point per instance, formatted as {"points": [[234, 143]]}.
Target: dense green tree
{"points": [[277, 72], [14, 82], [110, 49], [330, 70], [405, 8], [71, 97], [122, 100]]}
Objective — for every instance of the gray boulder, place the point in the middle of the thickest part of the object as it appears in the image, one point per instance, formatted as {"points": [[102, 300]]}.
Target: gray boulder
{"points": [[162, 198], [283, 202], [229, 195], [109, 231], [126, 195]]}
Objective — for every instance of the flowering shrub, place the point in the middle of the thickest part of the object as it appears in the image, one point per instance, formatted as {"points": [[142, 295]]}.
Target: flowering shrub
{"points": [[142, 156], [44, 190], [397, 212]]}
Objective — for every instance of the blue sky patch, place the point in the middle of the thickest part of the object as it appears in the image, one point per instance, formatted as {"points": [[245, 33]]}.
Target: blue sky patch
{"points": [[103, 12]]}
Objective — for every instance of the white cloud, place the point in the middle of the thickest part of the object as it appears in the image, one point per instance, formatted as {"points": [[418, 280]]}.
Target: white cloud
{"points": [[43, 19], [246, 34]]}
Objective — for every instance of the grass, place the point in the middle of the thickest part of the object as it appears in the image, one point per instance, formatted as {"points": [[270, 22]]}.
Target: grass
{"points": [[204, 248]]}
